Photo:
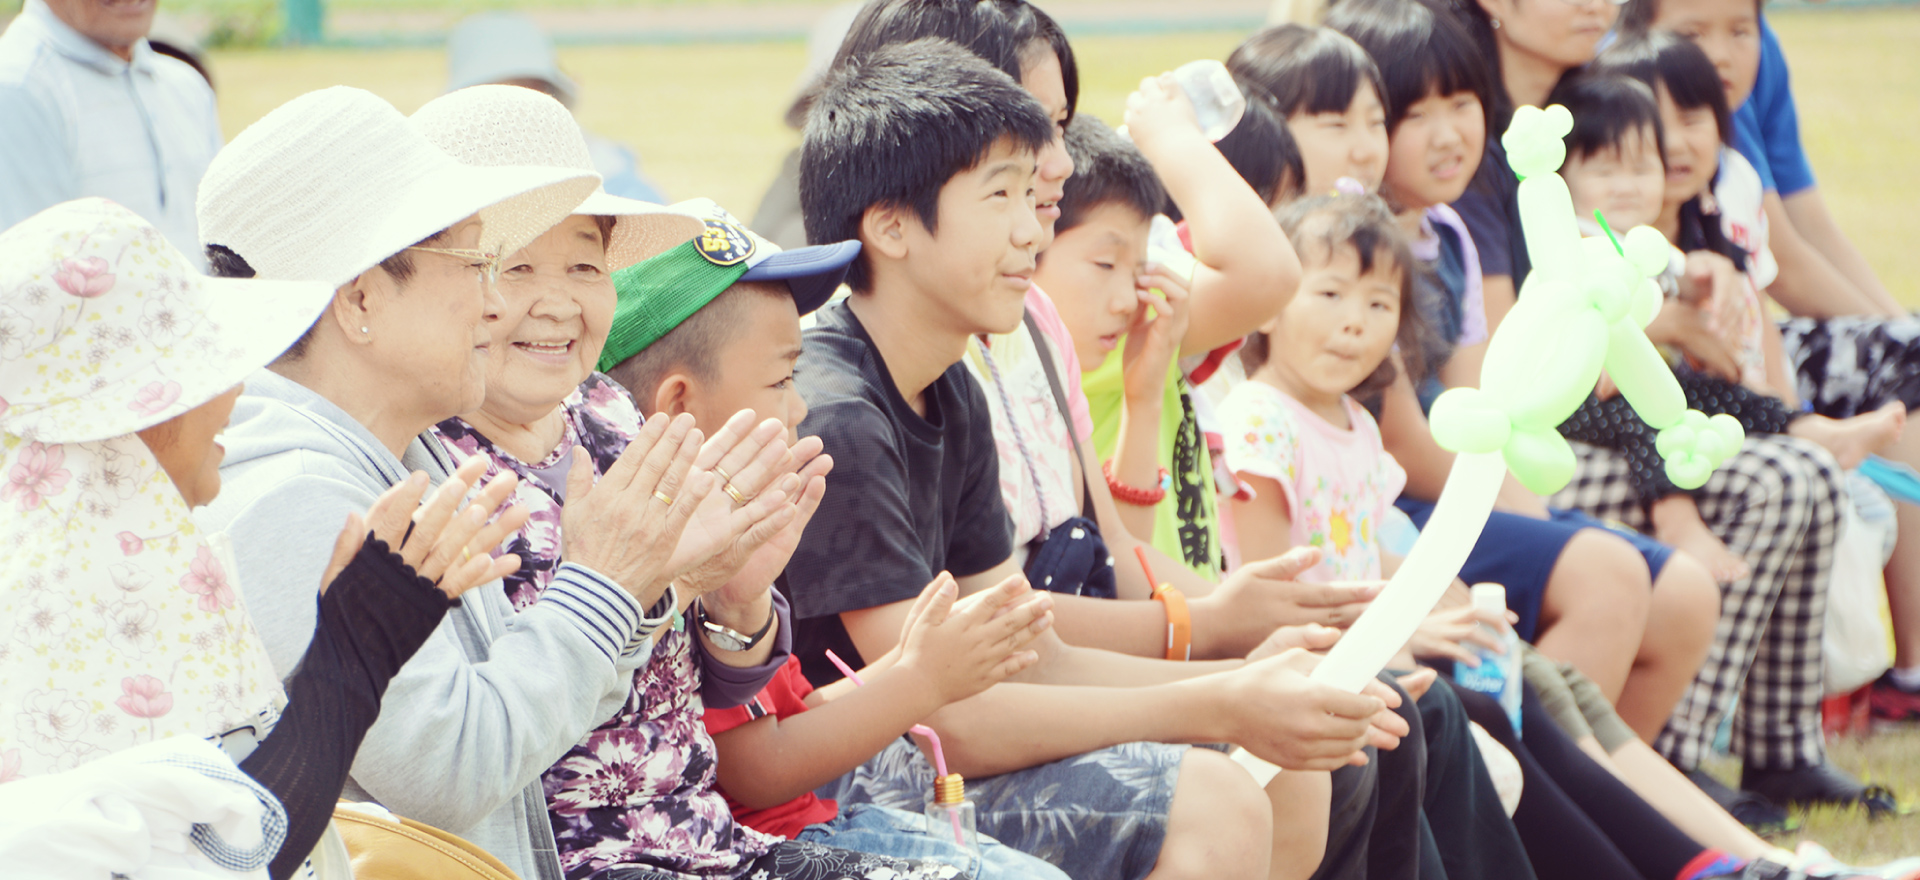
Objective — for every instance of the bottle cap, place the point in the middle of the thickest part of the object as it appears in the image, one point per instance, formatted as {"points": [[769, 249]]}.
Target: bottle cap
{"points": [[1489, 600], [949, 789]]}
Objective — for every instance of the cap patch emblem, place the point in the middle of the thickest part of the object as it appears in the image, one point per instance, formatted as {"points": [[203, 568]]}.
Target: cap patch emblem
{"points": [[724, 243]]}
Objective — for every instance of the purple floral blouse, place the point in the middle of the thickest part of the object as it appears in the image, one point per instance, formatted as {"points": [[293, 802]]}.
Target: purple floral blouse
{"points": [[639, 789]]}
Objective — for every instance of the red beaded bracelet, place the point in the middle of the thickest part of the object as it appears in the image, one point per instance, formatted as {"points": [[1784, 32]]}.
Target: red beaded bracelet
{"points": [[1131, 495]]}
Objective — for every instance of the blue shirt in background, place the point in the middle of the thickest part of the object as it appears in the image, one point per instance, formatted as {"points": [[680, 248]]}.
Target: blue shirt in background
{"points": [[1767, 127]]}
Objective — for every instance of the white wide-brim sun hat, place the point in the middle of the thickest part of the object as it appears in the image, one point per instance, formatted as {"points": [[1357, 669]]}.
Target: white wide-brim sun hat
{"points": [[106, 328], [498, 125], [329, 184]]}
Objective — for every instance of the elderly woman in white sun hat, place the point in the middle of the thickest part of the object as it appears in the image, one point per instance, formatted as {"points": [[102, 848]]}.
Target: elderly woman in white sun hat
{"points": [[548, 413], [124, 622], [338, 186]]}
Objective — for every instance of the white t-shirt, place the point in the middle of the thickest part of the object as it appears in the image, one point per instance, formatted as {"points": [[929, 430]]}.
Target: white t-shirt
{"points": [[1742, 217], [1034, 421]]}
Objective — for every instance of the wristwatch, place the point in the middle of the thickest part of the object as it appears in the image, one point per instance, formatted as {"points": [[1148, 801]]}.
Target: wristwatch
{"points": [[727, 639]]}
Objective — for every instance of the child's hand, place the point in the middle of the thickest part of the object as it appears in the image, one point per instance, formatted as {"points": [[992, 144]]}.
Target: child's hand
{"points": [[1687, 328], [1158, 108], [1713, 284], [1444, 635], [1153, 339], [1605, 389], [1311, 637], [1282, 716], [1417, 682], [965, 647]]}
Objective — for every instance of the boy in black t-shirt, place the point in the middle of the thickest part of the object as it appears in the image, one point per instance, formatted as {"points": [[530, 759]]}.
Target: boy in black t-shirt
{"points": [[927, 156]]}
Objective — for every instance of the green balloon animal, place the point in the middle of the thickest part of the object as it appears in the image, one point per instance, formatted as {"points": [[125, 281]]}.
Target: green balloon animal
{"points": [[1583, 308]]}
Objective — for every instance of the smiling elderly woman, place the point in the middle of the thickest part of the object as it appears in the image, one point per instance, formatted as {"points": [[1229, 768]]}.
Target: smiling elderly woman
{"points": [[546, 418], [118, 365], [338, 186]]}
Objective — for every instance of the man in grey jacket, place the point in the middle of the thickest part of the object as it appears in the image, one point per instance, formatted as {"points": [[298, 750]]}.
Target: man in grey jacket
{"points": [[496, 696]]}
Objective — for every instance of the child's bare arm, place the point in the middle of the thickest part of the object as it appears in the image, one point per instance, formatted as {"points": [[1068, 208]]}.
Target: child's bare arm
{"points": [[1808, 285], [1779, 380], [1153, 341], [1247, 268], [1404, 431], [1264, 525]]}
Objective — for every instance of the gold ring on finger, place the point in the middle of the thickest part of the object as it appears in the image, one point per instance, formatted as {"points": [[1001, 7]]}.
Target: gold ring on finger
{"points": [[735, 494], [663, 498], [722, 473], [465, 554]]}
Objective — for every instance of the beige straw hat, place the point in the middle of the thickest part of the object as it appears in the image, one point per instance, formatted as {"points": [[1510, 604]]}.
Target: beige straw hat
{"points": [[494, 125], [332, 182]]}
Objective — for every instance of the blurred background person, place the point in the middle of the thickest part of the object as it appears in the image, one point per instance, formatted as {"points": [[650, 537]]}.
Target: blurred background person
{"points": [[509, 48], [91, 109]]}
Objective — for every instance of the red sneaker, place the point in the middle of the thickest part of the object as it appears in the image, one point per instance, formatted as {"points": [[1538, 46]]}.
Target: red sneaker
{"points": [[1892, 702]]}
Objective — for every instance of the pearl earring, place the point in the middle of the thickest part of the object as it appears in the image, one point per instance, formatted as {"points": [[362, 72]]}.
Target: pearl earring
{"points": [[364, 331], [1496, 23]]}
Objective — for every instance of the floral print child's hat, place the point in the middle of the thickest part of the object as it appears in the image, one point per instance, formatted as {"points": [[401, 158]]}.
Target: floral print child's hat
{"points": [[106, 329]]}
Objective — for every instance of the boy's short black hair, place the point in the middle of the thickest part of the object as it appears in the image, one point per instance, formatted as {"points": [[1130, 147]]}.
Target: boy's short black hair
{"points": [[1665, 59], [1306, 69], [891, 127], [1106, 168], [1365, 224], [1419, 52], [1607, 109], [694, 345], [1262, 149]]}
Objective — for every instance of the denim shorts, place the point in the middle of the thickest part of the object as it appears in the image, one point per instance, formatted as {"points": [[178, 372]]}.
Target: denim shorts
{"points": [[1099, 816], [871, 828]]}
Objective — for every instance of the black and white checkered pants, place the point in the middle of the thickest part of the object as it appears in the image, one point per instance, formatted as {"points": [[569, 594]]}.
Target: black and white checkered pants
{"points": [[1849, 365], [1778, 505]]}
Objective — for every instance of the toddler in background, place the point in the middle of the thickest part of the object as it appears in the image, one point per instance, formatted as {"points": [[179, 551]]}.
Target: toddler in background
{"points": [[1312, 455], [1328, 92], [1616, 165]]}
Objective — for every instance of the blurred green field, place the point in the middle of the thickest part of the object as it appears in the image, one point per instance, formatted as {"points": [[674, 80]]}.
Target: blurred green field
{"points": [[706, 118], [706, 121]]}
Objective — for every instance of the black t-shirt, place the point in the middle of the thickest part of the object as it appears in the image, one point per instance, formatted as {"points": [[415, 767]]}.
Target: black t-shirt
{"points": [[1491, 208], [909, 496]]}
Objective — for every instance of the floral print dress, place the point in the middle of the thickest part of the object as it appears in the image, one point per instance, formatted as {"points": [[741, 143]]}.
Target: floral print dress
{"points": [[639, 789], [1337, 482]]}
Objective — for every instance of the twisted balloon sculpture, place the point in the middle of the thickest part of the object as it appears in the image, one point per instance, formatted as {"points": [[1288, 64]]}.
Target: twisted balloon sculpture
{"points": [[1583, 308]]}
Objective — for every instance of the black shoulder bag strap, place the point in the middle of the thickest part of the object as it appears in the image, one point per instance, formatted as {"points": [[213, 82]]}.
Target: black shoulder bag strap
{"points": [[1044, 349]]}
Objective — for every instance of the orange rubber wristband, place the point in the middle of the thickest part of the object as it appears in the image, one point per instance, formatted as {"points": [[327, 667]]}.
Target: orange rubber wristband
{"points": [[1179, 624]]}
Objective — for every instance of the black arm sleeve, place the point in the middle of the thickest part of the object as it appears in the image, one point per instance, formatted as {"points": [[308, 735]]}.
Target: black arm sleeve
{"points": [[373, 617]]}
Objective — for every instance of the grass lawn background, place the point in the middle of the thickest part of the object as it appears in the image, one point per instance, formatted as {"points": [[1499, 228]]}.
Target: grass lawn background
{"points": [[706, 121]]}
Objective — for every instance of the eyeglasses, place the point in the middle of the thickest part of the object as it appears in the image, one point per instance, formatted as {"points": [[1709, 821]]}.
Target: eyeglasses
{"points": [[488, 264]]}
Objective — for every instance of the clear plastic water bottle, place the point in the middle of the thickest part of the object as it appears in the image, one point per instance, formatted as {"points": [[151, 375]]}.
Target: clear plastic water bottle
{"points": [[950, 814], [1217, 102], [1498, 674]]}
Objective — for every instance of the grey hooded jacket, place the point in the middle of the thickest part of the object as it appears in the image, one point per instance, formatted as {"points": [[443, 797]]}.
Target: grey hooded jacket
{"points": [[493, 699]]}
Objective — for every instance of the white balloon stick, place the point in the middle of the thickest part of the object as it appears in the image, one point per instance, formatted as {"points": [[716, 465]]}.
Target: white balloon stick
{"points": [[1452, 530]]}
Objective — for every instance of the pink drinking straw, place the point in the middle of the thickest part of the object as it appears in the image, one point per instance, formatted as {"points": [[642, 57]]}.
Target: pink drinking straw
{"points": [[939, 759]]}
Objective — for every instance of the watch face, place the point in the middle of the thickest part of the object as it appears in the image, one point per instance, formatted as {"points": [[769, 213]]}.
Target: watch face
{"points": [[725, 639]]}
